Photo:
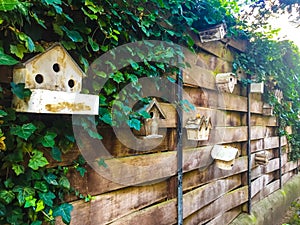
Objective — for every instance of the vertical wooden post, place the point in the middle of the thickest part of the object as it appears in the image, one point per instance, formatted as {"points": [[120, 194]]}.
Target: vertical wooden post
{"points": [[279, 153]]}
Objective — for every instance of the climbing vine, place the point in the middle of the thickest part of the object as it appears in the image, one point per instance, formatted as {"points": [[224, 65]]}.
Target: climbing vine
{"points": [[32, 190]]}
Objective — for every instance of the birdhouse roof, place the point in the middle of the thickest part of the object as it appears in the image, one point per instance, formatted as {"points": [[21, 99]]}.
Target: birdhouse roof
{"points": [[55, 47], [198, 123], [154, 103], [224, 152]]}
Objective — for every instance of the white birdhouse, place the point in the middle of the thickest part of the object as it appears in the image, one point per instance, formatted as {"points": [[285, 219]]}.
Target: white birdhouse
{"points": [[198, 128], [224, 156], [55, 81], [152, 124], [226, 81], [257, 87], [215, 33]]}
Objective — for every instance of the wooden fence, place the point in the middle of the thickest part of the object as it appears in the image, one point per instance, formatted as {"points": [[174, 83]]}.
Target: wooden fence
{"points": [[210, 195]]}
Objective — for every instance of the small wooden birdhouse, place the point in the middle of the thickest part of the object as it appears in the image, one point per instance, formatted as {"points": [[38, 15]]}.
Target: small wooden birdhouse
{"points": [[268, 109], [198, 128], [226, 81], [261, 158], [152, 124], [224, 156], [215, 33], [55, 81]]}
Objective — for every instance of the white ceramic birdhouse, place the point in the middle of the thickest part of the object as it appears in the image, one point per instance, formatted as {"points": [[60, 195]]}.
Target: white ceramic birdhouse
{"points": [[55, 81], [226, 81], [261, 158], [152, 124], [224, 156], [268, 109], [215, 33], [198, 128]]}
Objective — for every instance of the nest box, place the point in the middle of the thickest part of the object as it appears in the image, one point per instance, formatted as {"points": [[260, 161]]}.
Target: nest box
{"points": [[152, 124], [268, 109], [198, 128], [257, 87], [261, 158], [226, 81], [224, 156], [215, 33], [55, 81]]}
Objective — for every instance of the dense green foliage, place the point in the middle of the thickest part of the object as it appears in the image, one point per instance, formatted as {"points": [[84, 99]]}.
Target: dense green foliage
{"points": [[30, 191]]}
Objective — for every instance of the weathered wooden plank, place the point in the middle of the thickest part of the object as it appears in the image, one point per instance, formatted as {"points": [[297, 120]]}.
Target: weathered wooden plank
{"points": [[213, 63], [240, 45], [273, 142], [289, 166], [109, 207], [218, 207], [226, 217], [164, 213], [260, 120], [202, 196], [213, 172], [139, 169], [221, 135], [67, 158], [6, 74], [269, 189], [287, 176], [272, 165], [258, 184]]}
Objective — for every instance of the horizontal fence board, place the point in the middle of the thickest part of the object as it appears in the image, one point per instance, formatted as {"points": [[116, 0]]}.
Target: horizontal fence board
{"points": [[225, 218], [202, 196], [260, 120], [273, 142], [139, 169], [269, 189], [287, 176], [221, 205], [108, 207], [260, 183], [213, 172], [289, 166]]}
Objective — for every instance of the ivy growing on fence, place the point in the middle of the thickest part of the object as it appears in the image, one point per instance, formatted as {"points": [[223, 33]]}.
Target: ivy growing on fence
{"points": [[33, 192]]}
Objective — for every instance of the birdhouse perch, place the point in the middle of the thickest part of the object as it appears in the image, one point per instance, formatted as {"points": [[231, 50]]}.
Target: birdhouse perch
{"points": [[55, 81]]}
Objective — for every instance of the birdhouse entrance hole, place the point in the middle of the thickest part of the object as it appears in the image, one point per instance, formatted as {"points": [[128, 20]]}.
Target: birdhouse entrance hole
{"points": [[56, 67], [71, 83], [39, 78]]}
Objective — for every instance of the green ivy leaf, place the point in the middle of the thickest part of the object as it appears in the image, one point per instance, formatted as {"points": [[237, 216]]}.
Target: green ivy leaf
{"points": [[51, 179], [134, 123], [18, 50], [23, 193], [20, 91], [56, 154], [93, 44], [7, 60], [64, 210], [6, 196], [30, 201], [72, 34], [37, 160], [101, 162], [47, 198], [2, 210], [8, 5], [3, 113], [118, 77], [64, 182], [39, 206], [24, 131], [37, 222], [48, 139], [18, 169], [41, 186], [81, 170]]}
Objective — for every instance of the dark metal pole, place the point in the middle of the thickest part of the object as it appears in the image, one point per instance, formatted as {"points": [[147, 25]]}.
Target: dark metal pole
{"points": [[179, 151], [279, 152], [249, 147]]}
